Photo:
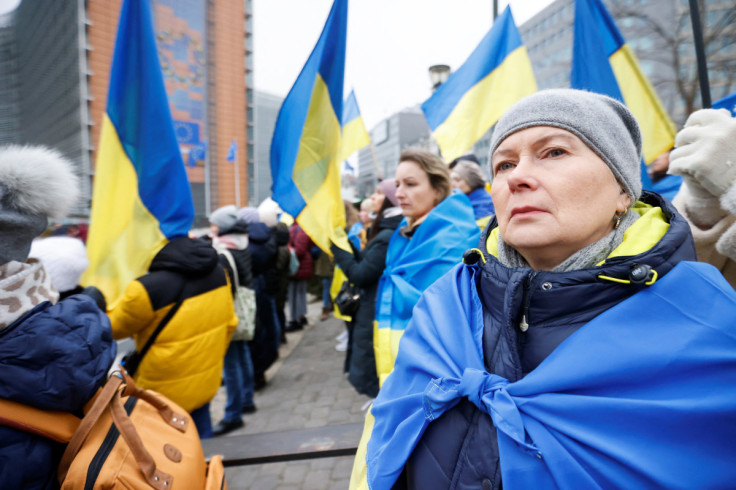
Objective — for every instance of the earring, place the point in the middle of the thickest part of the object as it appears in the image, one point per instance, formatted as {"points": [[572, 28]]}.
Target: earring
{"points": [[617, 217]]}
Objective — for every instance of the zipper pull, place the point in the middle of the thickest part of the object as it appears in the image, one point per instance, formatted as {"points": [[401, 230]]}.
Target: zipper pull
{"points": [[523, 326]]}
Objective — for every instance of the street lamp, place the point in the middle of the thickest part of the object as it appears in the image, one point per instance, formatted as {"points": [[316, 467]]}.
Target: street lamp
{"points": [[438, 74]]}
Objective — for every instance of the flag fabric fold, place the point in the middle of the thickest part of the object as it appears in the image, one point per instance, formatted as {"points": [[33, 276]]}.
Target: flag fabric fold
{"points": [[141, 196], [496, 75], [354, 134], [305, 159], [602, 62]]}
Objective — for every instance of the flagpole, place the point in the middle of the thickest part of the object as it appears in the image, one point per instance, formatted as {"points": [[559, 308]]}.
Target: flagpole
{"points": [[700, 54], [375, 161], [237, 180]]}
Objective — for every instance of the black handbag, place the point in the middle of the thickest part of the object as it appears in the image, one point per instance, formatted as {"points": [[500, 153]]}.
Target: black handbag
{"points": [[348, 299]]}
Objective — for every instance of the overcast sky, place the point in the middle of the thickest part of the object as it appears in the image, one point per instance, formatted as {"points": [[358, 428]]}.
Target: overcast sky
{"points": [[391, 44]]}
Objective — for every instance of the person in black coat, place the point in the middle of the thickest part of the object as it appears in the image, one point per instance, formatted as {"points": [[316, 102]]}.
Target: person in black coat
{"points": [[363, 270], [264, 347]]}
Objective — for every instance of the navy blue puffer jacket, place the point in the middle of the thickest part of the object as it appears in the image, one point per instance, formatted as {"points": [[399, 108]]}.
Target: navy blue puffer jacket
{"points": [[54, 358], [459, 450]]}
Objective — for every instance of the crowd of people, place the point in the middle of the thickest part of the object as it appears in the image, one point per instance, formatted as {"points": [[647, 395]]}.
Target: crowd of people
{"points": [[546, 326]]}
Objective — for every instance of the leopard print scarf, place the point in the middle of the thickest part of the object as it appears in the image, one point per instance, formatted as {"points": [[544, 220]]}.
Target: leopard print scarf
{"points": [[23, 286]]}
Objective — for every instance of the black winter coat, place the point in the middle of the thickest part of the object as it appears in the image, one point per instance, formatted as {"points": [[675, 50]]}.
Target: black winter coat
{"points": [[264, 347], [364, 270]]}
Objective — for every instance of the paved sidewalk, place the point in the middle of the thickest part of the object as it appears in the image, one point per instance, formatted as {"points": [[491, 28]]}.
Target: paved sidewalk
{"points": [[306, 388]]}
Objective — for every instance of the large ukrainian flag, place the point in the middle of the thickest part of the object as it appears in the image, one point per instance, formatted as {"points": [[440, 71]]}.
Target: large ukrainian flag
{"points": [[141, 196], [305, 157], [496, 75], [603, 63]]}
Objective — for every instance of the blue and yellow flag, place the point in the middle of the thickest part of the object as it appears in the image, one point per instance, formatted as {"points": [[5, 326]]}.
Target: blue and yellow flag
{"points": [[141, 196], [728, 102], [305, 159], [496, 75], [602, 62], [354, 134]]}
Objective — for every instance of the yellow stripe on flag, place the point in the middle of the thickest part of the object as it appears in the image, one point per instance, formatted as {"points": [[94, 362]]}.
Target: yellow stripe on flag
{"points": [[316, 171], [658, 130], [128, 235], [485, 103]]}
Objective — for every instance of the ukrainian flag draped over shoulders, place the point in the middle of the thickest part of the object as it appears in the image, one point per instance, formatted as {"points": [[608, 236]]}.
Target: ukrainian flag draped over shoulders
{"points": [[496, 75], [602, 62], [306, 140], [412, 265], [604, 410], [141, 196]]}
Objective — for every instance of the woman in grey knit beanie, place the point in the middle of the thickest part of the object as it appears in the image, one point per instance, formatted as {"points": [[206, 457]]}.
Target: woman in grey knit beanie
{"points": [[571, 348], [565, 170]]}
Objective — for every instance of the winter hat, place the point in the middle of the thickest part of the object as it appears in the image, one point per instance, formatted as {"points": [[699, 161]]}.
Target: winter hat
{"points": [[471, 173], [249, 215], [63, 257], [388, 187], [224, 217], [604, 124], [269, 212], [36, 183], [470, 157]]}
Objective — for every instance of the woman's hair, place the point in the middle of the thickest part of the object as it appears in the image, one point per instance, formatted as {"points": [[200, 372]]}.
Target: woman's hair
{"points": [[379, 217], [470, 172], [433, 166], [351, 214]]}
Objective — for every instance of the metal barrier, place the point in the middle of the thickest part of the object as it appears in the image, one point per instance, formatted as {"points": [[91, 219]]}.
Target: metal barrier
{"points": [[287, 445]]}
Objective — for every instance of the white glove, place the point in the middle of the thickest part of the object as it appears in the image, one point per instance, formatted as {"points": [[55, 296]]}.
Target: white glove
{"points": [[705, 153]]}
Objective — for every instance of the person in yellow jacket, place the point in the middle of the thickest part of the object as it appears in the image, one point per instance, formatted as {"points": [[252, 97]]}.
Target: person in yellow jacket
{"points": [[185, 361]]}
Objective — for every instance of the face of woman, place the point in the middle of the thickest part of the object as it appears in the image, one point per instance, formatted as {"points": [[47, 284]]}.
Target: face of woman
{"points": [[414, 192], [377, 197], [458, 182], [553, 195]]}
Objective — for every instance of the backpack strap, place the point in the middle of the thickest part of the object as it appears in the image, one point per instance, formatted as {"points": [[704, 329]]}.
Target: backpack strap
{"points": [[149, 343], [53, 424]]}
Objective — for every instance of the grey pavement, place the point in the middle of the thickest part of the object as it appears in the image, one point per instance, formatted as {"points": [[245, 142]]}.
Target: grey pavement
{"points": [[306, 388]]}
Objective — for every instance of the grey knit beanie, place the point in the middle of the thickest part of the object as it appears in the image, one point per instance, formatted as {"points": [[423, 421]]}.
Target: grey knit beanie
{"points": [[604, 124], [224, 217], [35, 183]]}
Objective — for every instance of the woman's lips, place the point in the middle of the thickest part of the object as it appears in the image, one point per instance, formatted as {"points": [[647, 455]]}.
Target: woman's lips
{"points": [[526, 211]]}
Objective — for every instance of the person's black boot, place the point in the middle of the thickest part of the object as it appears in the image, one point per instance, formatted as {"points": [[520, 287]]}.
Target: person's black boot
{"points": [[293, 326], [225, 426]]}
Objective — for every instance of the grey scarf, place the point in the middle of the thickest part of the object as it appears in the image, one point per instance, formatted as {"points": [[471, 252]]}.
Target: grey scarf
{"points": [[582, 259]]}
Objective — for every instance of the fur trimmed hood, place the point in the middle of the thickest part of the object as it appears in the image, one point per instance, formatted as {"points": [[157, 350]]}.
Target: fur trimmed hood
{"points": [[35, 183]]}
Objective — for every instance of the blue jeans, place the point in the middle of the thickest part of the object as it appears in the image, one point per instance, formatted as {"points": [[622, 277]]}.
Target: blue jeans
{"points": [[202, 421], [326, 298], [238, 374]]}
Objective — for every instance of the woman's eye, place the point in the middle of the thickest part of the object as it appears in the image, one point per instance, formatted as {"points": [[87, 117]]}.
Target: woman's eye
{"points": [[556, 152], [500, 167]]}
